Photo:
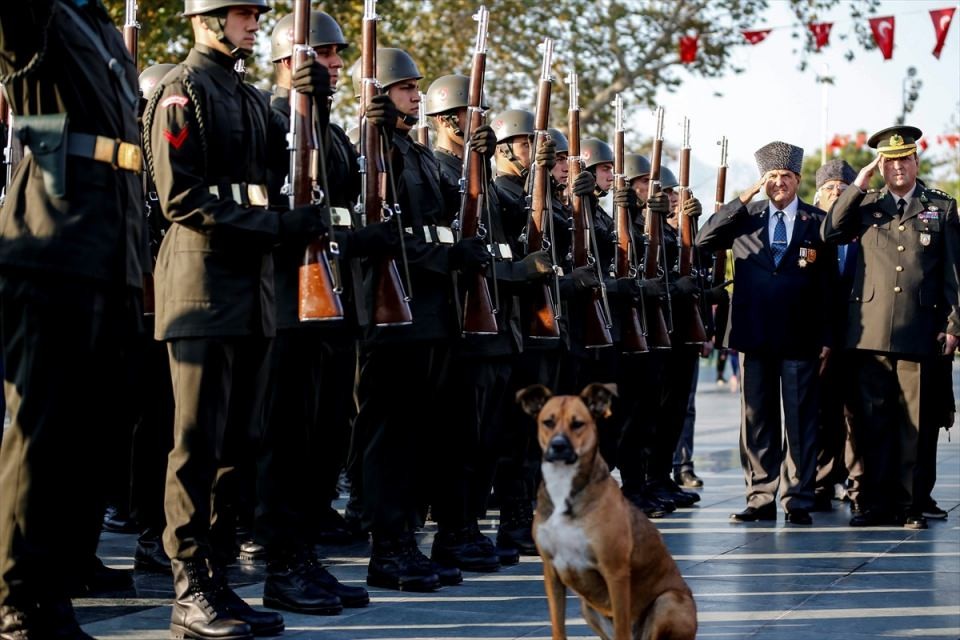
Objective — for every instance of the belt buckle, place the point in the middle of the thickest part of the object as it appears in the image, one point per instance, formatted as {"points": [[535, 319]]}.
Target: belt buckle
{"points": [[127, 156], [257, 194]]}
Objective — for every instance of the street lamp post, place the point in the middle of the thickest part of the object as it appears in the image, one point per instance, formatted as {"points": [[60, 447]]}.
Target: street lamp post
{"points": [[910, 91]]}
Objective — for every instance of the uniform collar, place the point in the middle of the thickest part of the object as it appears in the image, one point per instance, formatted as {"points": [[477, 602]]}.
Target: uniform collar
{"points": [[217, 62]]}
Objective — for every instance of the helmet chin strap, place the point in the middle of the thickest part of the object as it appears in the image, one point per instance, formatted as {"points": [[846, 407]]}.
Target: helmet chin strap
{"points": [[597, 191], [217, 24], [506, 148], [408, 119], [452, 121]]}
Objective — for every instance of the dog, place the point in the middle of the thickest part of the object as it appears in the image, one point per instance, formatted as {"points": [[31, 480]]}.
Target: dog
{"points": [[591, 538]]}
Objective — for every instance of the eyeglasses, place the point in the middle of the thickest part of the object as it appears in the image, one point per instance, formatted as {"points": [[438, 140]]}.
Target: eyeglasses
{"points": [[839, 188]]}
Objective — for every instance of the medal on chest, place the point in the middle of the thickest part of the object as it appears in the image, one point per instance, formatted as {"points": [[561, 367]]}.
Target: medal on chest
{"points": [[807, 256]]}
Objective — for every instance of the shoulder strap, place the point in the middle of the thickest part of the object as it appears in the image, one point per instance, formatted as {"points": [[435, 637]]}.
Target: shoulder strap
{"points": [[112, 63]]}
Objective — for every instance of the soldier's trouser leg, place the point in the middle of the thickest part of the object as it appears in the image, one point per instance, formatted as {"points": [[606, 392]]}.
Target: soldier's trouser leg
{"points": [[680, 364], [832, 429], [761, 445], [218, 388], [800, 390], [152, 436], [337, 409], [600, 366], [397, 392], [683, 454], [638, 387], [890, 424], [61, 351], [936, 393], [285, 471]]}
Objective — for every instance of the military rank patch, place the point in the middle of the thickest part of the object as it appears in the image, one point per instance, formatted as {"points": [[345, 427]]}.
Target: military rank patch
{"points": [[174, 101], [176, 140]]}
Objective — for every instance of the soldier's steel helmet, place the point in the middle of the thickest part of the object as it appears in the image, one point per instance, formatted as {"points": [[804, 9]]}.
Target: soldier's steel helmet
{"points": [[324, 31], [513, 122], [594, 152], [393, 66], [667, 179], [563, 145], [634, 166], [201, 7], [151, 76], [447, 93]]}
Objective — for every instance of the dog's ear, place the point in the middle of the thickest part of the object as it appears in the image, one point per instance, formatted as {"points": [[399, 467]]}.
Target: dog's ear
{"points": [[532, 399], [598, 398]]}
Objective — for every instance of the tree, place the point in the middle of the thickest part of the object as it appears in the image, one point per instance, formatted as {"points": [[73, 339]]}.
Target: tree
{"points": [[616, 46]]}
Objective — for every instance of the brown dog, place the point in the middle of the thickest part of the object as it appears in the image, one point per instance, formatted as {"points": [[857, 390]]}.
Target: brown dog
{"points": [[594, 540]]}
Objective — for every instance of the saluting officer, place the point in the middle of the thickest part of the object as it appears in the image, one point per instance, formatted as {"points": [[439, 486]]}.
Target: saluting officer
{"points": [[903, 314], [71, 269], [211, 138]]}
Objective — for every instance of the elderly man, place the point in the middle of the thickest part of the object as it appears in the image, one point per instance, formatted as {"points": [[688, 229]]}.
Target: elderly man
{"points": [[783, 290], [837, 460], [903, 314]]}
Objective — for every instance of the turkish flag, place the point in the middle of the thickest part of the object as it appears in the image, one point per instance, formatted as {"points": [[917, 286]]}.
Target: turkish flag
{"points": [[941, 25], [755, 37], [688, 49], [883, 35], [821, 33]]}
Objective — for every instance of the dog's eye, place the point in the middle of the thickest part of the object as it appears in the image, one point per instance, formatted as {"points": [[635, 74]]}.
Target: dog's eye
{"points": [[550, 423], [577, 424]]}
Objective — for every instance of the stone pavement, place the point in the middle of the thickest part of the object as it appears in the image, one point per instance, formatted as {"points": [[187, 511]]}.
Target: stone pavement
{"points": [[763, 580]]}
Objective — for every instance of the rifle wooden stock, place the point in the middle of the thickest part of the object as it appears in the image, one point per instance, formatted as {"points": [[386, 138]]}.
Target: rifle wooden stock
{"points": [[131, 31], [318, 300], [478, 314], [596, 333], [390, 302], [688, 325], [632, 338], [657, 335], [543, 312]]}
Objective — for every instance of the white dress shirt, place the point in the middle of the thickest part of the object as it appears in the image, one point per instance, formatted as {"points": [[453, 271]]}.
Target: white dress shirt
{"points": [[789, 216]]}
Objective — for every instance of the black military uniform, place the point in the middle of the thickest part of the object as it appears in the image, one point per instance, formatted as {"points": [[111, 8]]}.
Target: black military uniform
{"points": [[71, 241], [211, 138], [310, 399], [904, 296]]}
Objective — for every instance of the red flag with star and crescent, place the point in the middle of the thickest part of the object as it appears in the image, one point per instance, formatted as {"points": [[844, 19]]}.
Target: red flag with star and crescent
{"points": [[755, 37], [941, 25], [821, 33], [883, 35]]}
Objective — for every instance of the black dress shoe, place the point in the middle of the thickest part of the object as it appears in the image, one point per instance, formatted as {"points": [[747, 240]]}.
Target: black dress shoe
{"points": [[822, 503], [913, 520], [396, 563], [516, 532], [753, 514], [932, 511], [650, 506], [290, 586], [350, 596], [150, 556], [100, 578], [333, 529], [798, 516], [688, 479]]}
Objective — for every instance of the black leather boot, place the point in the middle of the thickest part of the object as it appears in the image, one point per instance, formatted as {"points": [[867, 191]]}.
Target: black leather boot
{"points": [[59, 622], [352, 597], [515, 532], [460, 549], [262, 623], [396, 563], [198, 612], [290, 586], [149, 554]]}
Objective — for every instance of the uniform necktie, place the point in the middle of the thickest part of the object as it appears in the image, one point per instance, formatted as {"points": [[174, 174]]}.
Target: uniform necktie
{"points": [[842, 257], [779, 244], [901, 203]]}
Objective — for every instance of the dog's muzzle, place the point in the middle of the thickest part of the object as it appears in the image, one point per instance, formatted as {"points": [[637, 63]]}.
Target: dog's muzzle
{"points": [[559, 449]]}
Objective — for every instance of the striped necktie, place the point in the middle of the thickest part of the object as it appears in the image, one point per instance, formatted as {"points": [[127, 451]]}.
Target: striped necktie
{"points": [[779, 244]]}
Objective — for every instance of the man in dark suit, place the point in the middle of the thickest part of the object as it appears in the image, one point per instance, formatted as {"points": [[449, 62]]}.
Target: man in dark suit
{"points": [[783, 282], [903, 314]]}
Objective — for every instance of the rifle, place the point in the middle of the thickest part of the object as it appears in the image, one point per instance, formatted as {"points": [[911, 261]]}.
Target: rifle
{"points": [[318, 298], [131, 31], [596, 325], [690, 328], [539, 233], [423, 132], [478, 312], [718, 273], [632, 334], [391, 303], [658, 335]]}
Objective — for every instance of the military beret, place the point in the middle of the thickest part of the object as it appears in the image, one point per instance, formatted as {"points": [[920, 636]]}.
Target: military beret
{"points": [[895, 142], [779, 155], [836, 170]]}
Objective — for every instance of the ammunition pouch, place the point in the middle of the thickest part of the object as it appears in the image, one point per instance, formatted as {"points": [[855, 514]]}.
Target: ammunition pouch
{"points": [[45, 137]]}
